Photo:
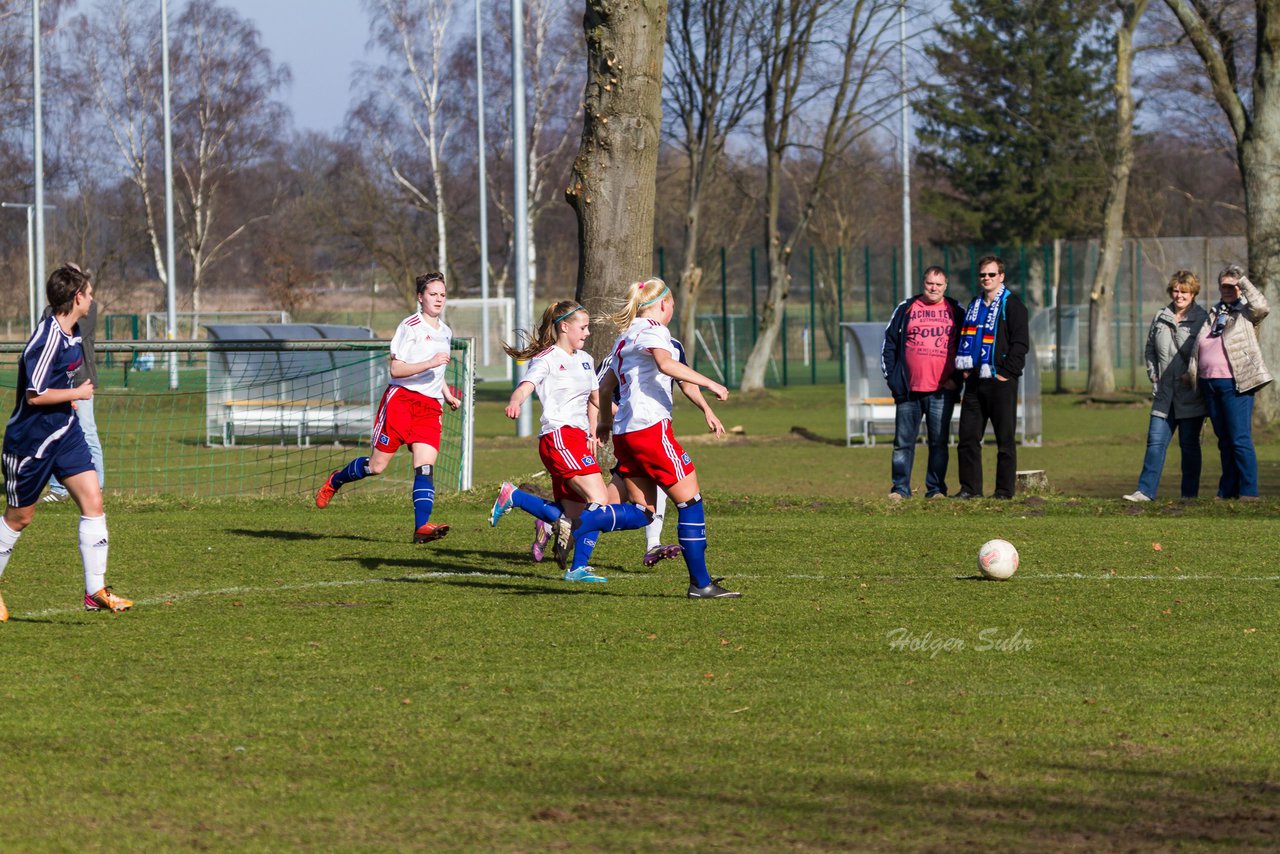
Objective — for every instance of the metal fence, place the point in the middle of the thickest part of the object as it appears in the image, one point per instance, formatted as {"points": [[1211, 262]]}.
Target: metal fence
{"points": [[833, 286]]}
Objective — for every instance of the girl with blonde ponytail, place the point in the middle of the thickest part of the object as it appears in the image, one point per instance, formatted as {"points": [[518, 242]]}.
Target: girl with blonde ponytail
{"points": [[644, 364]]}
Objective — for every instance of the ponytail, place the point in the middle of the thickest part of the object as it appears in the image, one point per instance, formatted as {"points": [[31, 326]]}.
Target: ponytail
{"points": [[545, 335], [640, 295]]}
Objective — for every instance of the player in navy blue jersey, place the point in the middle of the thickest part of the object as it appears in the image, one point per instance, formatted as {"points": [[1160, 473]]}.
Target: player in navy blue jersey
{"points": [[43, 438]]}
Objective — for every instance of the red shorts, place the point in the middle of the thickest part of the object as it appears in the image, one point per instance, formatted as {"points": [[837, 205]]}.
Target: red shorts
{"points": [[564, 453], [653, 453], [406, 418]]}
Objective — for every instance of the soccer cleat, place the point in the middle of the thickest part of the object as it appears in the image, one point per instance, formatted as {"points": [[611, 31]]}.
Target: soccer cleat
{"points": [[429, 532], [660, 552], [541, 534], [712, 591], [584, 573], [105, 600], [52, 497], [502, 504], [562, 541], [1137, 496], [325, 493], [4, 612]]}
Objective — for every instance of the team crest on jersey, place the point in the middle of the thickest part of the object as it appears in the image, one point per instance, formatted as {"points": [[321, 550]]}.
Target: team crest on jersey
{"points": [[684, 458], [588, 460], [383, 439], [586, 366]]}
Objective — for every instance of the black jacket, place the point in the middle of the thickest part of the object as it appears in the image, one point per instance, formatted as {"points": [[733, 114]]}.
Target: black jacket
{"points": [[1013, 339], [893, 362]]}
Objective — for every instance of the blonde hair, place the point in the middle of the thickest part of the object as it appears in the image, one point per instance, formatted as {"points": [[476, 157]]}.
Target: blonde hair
{"points": [[1184, 280], [548, 329], [640, 295]]}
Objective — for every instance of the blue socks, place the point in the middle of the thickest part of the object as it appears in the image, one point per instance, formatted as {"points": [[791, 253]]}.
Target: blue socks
{"points": [[357, 469], [424, 495], [539, 508], [692, 534], [597, 519]]}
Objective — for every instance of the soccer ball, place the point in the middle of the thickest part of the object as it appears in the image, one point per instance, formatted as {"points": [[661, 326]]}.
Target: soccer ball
{"points": [[997, 559]]}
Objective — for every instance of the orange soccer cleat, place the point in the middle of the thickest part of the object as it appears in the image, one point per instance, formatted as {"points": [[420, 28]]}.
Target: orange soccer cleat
{"points": [[429, 532], [326, 491], [105, 600]]}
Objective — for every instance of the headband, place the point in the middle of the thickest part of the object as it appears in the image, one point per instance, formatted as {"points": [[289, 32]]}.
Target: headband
{"points": [[569, 313], [665, 291]]}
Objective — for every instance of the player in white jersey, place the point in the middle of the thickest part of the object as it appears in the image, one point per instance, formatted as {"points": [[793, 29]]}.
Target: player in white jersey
{"points": [[410, 412], [649, 457], [564, 377], [655, 549]]}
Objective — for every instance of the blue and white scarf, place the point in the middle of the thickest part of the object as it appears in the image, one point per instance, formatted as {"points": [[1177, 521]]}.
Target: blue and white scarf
{"points": [[978, 335]]}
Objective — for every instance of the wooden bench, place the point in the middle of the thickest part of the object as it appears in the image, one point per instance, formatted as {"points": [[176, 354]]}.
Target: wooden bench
{"points": [[301, 420]]}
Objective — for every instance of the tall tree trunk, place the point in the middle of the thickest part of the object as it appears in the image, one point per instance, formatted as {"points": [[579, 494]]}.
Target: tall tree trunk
{"points": [[615, 173], [1260, 158], [753, 372], [690, 285], [1101, 376]]}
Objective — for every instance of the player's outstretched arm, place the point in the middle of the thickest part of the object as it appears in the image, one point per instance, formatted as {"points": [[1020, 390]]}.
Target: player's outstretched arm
{"points": [[518, 397], [683, 373], [694, 394]]}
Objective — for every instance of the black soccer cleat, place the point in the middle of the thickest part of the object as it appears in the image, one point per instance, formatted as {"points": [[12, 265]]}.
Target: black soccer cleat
{"points": [[712, 591]]}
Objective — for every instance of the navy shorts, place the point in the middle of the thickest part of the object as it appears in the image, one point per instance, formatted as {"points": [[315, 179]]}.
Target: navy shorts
{"points": [[26, 477]]}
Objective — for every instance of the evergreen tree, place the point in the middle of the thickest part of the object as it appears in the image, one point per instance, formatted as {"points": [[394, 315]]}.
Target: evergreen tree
{"points": [[1015, 129]]}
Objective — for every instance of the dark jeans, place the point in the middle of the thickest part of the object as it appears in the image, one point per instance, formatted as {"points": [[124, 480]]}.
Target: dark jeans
{"points": [[995, 401], [935, 408], [1231, 414], [1159, 435]]}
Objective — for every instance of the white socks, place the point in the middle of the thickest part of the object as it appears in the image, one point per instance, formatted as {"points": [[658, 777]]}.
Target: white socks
{"points": [[8, 539], [653, 531], [93, 552]]}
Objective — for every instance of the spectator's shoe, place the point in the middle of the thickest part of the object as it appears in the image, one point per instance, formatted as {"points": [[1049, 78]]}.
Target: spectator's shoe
{"points": [[325, 493], [1137, 496], [541, 535], [54, 496], [4, 612], [937, 495], [562, 541], [502, 504], [660, 552], [429, 532], [966, 495], [105, 600], [712, 591], [583, 573], [896, 497]]}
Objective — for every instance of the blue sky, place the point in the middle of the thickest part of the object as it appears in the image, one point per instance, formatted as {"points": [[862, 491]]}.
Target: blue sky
{"points": [[320, 40]]}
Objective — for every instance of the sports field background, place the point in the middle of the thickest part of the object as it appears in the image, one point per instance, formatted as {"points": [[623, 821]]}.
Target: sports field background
{"points": [[293, 679]]}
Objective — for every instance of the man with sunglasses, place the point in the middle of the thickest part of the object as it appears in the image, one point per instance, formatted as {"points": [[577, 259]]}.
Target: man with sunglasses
{"points": [[994, 341]]}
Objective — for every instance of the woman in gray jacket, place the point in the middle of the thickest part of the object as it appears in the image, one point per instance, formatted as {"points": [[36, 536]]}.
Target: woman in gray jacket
{"points": [[1175, 404], [1228, 367]]}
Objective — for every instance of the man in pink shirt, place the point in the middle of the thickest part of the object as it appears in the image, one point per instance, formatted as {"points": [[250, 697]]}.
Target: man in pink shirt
{"points": [[917, 360]]}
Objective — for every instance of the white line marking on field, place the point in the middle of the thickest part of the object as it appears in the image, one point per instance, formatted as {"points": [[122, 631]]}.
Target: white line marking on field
{"points": [[313, 585]]}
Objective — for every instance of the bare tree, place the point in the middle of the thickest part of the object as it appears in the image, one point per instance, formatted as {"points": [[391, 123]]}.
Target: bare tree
{"points": [[711, 85], [404, 111], [225, 117], [1101, 377], [1221, 33], [820, 60], [614, 175]]}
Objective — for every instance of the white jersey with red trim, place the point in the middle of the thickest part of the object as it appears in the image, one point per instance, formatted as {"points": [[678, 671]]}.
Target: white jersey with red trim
{"points": [[645, 391], [416, 340], [564, 382]]}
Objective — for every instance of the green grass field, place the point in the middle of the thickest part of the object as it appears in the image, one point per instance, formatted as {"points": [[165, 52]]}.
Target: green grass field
{"points": [[292, 679]]}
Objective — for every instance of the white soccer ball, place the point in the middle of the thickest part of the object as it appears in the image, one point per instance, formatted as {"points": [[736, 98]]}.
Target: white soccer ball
{"points": [[997, 559]]}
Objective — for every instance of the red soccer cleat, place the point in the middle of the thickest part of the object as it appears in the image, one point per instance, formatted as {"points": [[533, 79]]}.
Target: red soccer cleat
{"points": [[326, 491], [429, 532]]}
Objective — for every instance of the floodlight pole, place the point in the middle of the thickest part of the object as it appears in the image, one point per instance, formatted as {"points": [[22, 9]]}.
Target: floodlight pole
{"points": [[908, 287], [484, 195], [170, 285], [520, 165], [37, 122], [33, 301]]}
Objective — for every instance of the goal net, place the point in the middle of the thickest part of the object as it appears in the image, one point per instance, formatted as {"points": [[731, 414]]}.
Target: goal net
{"points": [[260, 417]]}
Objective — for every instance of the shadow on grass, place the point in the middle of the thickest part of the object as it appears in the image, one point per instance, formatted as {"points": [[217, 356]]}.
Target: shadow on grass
{"points": [[294, 536]]}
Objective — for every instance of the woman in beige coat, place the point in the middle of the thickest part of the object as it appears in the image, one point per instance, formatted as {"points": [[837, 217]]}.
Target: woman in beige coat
{"points": [[1228, 367]]}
